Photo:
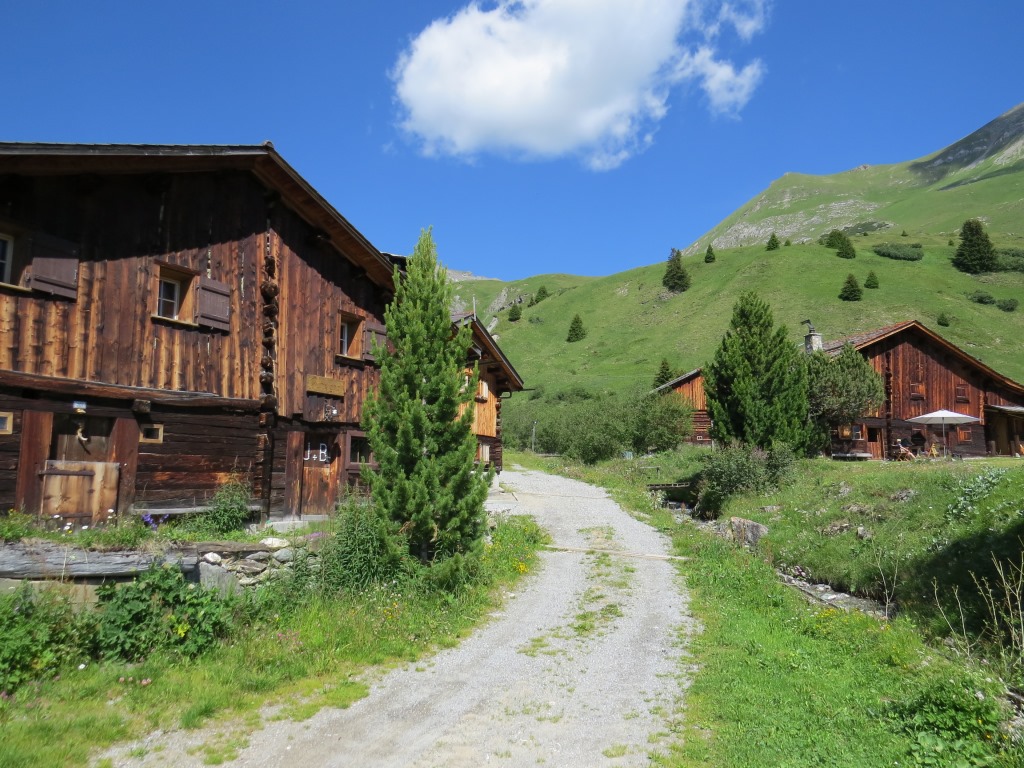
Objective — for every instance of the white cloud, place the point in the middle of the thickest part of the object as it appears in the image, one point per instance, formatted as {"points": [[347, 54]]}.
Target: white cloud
{"points": [[549, 78]]}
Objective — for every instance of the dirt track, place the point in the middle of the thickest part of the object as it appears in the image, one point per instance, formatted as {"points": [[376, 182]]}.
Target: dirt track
{"points": [[582, 668]]}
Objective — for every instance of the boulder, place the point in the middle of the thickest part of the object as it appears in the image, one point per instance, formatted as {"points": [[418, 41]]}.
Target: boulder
{"points": [[285, 555], [216, 578], [275, 543], [747, 532]]}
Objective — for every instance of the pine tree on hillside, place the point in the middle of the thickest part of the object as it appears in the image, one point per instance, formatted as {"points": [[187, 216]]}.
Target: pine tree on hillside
{"points": [[426, 483], [542, 293], [664, 375], [515, 313], [576, 330], [846, 249], [872, 280], [756, 386], [676, 278], [834, 239], [851, 289], [709, 255], [975, 253], [773, 243]]}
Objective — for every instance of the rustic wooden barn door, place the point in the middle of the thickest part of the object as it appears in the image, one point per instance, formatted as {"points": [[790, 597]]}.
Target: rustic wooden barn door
{"points": [[321, 462], [80, 484]]}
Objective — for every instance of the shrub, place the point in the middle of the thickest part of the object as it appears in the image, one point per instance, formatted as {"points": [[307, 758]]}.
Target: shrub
{"points": [[160, 610], [709, 255], [846, 250], [911, 252], [872, 280], [982, 297], [833, 239], [515, 313], [944, 320], [739, 469], [362, 550], [788, 242], [40, 632], [228, 511], [773, 243], [1007, 305], [1010, 260]]}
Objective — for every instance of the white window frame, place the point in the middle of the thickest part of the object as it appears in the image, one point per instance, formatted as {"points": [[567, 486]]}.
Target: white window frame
{"points": [[6, 422], [166, 279], [156, 437]]}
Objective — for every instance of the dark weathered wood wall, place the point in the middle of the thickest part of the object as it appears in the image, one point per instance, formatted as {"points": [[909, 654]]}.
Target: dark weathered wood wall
{"points": [[123, 227]]}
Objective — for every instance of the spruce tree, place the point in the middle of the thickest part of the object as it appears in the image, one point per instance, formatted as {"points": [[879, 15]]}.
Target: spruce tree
{"points": [[975, 253], [676, 278], [419, 419], [709, 255], [515, 313], [846, 249], [851, 289], [872, 280], [773, 243], [664, 375], [840, 390], [576, 330], [542, 293], [756, 386]]}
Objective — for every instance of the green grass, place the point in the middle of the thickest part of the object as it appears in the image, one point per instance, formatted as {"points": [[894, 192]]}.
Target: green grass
{"points": [[307, 659], [632, 323], [780, 682]]}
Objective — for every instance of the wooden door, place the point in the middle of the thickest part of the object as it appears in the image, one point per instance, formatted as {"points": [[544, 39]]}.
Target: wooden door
{"points": [[79, 481], [321, 462], [80, 492]]}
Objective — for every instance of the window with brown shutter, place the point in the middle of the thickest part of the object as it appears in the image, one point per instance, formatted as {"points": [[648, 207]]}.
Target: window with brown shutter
{"points": [[916, 391], [350, 336], [213, 304], [54, 265], [175, 293], [961, 394], [373, 333], [963, 433]]}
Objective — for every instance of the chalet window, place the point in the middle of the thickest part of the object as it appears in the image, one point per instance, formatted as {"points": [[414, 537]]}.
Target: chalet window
{"points": [[359, 450], [482, 391], [963, 433], [483, 453], [174, 294], [151, 433], [916, 391], [350, 335], [961, 394], [851, 432], [39, 262], [6, 423], [6, 258]]}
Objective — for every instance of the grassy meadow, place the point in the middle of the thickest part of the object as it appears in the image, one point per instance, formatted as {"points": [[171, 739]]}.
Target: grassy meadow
{"points": [[632, 322]]}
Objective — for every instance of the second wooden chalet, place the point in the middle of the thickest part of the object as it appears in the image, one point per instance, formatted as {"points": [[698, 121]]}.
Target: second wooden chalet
{"points": [[497, 381], [175, 316], [923, 372]]}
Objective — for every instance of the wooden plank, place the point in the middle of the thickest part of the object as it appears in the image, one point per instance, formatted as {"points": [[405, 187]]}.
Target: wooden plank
{"points": [[124, 449], [293, 472], [36, 427], [325, 385]]}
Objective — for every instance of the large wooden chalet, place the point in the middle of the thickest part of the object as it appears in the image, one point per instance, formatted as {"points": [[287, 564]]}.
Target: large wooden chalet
{"points": [[923, 372], [175, 316]]}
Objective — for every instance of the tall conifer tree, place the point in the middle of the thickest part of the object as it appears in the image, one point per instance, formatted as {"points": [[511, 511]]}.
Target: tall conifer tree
{"points": [[676, 278], [664, 375], [419, 420], [756, 385]]}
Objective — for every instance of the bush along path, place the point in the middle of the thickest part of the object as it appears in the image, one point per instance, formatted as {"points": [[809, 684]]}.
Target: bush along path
{"points": [[580, 668]]}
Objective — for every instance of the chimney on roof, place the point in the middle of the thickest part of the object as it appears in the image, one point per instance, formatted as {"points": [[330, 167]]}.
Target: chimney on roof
{"points": [[812, 341]]}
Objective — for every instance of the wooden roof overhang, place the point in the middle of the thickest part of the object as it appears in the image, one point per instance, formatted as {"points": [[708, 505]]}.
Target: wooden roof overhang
{"points": [[680, 380], [82, 388], [263, 161], [490, 350], [864, 341]]}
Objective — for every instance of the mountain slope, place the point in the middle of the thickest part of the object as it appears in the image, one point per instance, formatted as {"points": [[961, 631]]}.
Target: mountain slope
{"points": [[632, 322], [982, 176]]}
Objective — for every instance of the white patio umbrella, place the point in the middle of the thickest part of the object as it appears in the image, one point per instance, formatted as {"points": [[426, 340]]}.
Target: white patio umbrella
{"points": [[944, 417]]}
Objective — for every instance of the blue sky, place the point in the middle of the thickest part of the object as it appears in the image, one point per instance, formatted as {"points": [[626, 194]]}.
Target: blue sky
{"points": [[580, 136]]}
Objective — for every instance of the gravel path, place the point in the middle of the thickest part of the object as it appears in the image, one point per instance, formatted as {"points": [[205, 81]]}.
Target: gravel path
{"points": [[584, 667]]}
